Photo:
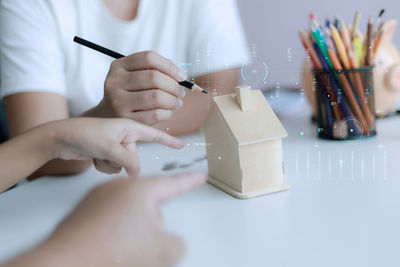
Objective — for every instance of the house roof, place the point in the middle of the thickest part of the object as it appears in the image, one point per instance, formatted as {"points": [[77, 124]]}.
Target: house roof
{"points": [[250, 127]]}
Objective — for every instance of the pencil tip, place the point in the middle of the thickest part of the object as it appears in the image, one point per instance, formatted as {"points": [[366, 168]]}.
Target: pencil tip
{"points": [[370, 20], [198, 89], [381, 12], [313, 16]]}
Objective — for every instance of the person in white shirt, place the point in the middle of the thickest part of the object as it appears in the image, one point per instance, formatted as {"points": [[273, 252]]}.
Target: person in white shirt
{"points": [[46, 77]]}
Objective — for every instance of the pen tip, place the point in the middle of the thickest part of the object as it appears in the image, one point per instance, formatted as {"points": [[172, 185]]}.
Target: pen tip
{"points": [[198, 89]]}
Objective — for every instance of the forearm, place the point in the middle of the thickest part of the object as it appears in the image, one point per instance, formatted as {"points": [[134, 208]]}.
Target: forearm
{"points": [[46, 254], [23, 154], [28, 110], [60, 167]]}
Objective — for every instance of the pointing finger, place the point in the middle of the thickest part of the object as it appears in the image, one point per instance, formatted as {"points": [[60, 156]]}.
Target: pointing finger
{"points": [[147, 133], [164, 189]]}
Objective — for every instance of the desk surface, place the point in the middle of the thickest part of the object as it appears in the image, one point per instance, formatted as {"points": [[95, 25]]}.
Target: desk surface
{"points": [[342, 209]]}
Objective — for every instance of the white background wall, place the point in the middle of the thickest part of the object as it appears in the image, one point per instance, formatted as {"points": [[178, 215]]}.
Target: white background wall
{"points": [[273, 27]]}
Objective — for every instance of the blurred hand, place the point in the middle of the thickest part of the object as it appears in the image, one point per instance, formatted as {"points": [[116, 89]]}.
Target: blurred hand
{"points": [[119, 223], [111, 143], [142, 87]]}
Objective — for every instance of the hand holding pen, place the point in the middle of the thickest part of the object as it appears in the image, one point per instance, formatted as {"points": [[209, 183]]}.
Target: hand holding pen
{"points": [[145, 87]]}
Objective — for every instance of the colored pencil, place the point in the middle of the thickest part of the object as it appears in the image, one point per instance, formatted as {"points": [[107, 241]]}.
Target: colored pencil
{"points": [[340, 47], [378, 23], [353, 56], [315, 59], [336, 22], [321, 43], [358, 45], [356, 22], [328, 38], [348, 91], [344, 33], [358, 84], [376, 46], [369, 42], [305, 39]]}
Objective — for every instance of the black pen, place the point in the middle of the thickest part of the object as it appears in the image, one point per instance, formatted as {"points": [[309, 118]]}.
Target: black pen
{"points": [[106, 51]]}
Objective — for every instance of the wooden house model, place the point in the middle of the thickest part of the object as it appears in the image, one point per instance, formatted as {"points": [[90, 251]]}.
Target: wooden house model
{"points": [[244, 145]]}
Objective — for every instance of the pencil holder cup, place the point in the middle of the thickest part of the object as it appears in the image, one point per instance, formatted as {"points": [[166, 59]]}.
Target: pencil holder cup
{"points": [[345, 103]]}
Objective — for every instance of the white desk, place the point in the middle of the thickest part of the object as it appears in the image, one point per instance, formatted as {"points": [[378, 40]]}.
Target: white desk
{"points": [[342, 209]]}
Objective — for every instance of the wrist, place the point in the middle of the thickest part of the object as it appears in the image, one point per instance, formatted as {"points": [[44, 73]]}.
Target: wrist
{"points": [[54, 141], [51, 139], [46, 254], [43, 142], [98, 111]]}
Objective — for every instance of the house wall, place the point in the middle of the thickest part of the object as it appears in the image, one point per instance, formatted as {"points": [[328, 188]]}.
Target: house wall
{"points": [[261, 165], [222, 151]]}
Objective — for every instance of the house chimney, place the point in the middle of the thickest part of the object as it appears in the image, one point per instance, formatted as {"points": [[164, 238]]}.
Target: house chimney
{"points": [[244, 98]]}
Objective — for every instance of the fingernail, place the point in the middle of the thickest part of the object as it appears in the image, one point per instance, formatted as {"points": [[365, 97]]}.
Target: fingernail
{"points": [[181, 75], [182, 93], [180, 104]]}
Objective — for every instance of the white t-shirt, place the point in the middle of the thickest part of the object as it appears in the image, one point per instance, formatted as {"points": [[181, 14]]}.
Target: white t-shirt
{"points": [[37, 52]]}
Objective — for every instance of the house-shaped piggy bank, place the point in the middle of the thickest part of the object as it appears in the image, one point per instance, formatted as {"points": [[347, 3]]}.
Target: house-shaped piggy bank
{"points": [[244, 145]]}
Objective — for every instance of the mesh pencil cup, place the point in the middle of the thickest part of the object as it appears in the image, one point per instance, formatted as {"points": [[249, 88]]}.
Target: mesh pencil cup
{"points": [[345, 103]]}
